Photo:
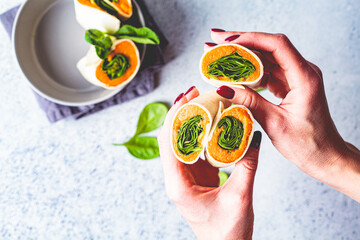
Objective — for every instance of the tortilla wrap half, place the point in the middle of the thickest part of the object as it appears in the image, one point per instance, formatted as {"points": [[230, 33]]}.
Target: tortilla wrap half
{"points": [[224, 50], [90, 17], [230, 137], [193, 120], [90, 65]]}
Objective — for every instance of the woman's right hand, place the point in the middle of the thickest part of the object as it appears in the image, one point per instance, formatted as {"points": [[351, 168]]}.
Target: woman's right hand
{"points": [[300, 127]]}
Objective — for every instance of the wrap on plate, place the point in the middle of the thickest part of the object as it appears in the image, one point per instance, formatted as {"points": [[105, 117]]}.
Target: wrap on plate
{"points": [[116, 70], [232, 65], [191, 126], [230, 137], [104, 15]]}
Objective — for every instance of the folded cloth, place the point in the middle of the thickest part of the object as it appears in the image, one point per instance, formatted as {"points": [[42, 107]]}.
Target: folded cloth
{"points": [[142, 84]]}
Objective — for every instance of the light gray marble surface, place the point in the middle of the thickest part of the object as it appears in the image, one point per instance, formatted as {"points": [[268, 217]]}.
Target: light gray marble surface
{"points": [[66, 180]]}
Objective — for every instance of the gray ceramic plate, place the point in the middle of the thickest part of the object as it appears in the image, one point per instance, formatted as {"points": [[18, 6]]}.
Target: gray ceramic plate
{"points": [[48, 42]]}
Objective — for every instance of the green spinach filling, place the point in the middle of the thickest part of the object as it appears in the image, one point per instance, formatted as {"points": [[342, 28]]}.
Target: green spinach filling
{"points": [[232, 134], [188, 134], [232, 66], [106, 7], [116, 67]]}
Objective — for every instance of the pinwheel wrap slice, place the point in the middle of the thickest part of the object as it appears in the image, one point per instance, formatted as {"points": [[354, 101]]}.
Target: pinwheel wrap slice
{"points": [[191, 126]]}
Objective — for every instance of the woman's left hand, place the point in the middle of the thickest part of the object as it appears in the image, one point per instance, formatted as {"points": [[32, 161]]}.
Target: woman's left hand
{"points": [[213, 212]]}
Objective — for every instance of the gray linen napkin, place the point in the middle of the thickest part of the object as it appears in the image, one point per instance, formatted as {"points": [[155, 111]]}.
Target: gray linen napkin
{"points": [[142, 84]]}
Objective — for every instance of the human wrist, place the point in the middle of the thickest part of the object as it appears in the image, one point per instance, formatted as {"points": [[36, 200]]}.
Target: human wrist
{"points": [[207, 232], [343, 171], [350, 176], [321, 157]]}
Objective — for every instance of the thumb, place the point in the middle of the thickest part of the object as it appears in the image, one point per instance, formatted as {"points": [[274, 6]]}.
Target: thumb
{"points": [[241, 180], [264, 111]]}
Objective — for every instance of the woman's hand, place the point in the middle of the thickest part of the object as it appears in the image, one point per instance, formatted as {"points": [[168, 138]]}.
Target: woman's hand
{"points": [[213, 212], [300, 127]]}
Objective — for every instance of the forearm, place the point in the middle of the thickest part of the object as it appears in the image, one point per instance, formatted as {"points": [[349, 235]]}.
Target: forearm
{"points": [[344, 173]]}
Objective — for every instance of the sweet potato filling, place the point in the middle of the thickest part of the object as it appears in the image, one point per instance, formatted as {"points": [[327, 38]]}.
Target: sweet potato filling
{"points": [[127, 49], [226, 156]]}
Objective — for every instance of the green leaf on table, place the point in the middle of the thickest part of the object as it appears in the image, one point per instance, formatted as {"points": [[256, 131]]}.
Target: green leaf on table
{"points": [[100, 40], [142, 35], [223, 176], [142, 147], [151, 117]]}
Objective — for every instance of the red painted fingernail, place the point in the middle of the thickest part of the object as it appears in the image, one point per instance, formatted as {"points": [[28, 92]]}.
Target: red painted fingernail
{"points": [[226, 92], [210, 44], [189, 90], [232, 38], [217, 30], [179, 97]]}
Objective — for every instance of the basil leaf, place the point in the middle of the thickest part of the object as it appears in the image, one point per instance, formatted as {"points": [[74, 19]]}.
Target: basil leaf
{"points": [[97, 38], [116, 67], [100, 40], [142, 35], [101, 52], [142, 147], [151, 117]]}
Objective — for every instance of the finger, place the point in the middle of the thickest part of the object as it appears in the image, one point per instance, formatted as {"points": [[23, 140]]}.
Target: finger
{"points": [[169, 116], [192, 93], [268, 56], [219, 37], [274, 79], [264, 112], [268, 65], [283, 51], [276, 86], [241, 180], [208, 46], [164, 134], [178, 179]]}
